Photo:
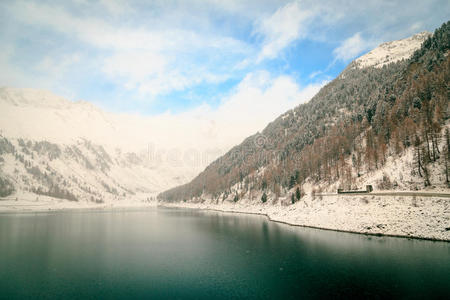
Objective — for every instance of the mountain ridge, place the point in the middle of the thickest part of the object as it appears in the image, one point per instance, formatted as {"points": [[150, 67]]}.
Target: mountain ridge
{"points": [[73, 150], [357, 105], [386, 127], [391, 52]]}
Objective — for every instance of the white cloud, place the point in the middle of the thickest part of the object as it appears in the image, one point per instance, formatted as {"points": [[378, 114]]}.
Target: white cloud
{"points": [[153, 74], [257, 100], [351, 47], [134, 65], [116, 7], [14, 76], [281, 29], [315, 74], [264, 95], [153, 61], [158, 47], [56, 67], [134, 68]]}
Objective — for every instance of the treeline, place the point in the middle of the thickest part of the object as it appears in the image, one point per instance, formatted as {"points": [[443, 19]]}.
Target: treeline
{"points": [[6, 187], [41, 178], [347, 128], [56, 192]]}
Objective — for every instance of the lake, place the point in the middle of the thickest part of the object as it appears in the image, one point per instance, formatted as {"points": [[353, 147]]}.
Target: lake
{"points": [[162, 253]]}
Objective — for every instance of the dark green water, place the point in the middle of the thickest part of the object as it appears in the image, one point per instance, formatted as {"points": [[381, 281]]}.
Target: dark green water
{"points": [[187, 254]]}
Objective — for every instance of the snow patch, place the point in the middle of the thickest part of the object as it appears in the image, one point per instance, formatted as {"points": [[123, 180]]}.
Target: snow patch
{"points": [[391, 52]]}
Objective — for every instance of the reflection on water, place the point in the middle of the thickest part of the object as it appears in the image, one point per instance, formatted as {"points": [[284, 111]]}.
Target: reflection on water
{"points": [[174, 253]]}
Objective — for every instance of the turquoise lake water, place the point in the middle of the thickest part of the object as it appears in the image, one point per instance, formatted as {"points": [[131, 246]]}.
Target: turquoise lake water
{"points": [[189, 254]]}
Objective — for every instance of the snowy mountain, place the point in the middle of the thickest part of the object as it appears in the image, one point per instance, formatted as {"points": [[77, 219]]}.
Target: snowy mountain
{"points": [[387, 127], [74, 150], [372, 125], [50, 146], [391, 52]]}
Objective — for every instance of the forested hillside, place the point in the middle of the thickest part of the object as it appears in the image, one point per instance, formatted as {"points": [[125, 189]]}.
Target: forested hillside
{"points": [[82, 171], [349, 130]]}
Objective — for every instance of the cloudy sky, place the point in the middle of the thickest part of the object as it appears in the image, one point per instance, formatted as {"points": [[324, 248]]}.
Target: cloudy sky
{"points": [[234, 60]]}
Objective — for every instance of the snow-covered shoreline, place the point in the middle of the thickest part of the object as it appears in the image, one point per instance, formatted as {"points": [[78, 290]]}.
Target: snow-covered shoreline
{"points": [[28, 202], [408, 217], [24, 207], [398, 216]]}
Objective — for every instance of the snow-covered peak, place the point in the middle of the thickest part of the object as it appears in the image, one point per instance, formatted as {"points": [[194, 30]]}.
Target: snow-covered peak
{"points": [[42, 115], [151, 157], [27, 97], [390, 52], [32, 97]]}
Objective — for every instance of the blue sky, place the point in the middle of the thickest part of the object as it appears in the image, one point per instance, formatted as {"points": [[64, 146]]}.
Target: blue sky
{"points": [[156, 57]]}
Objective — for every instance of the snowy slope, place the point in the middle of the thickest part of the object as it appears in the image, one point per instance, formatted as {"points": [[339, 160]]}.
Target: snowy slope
{"points": [[390, 52], [41, 115], [382, 212], [52, 146]]}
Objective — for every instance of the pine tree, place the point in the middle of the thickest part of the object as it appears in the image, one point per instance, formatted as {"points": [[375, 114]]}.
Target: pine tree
{"points": [[297, 193], [264, 198], [447, 155], [292, 182], [425, 162], [236, 198], [418, 156]]}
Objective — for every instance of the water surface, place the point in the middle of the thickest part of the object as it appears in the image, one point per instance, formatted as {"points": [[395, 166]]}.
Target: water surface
{"points": [[188, 254]]}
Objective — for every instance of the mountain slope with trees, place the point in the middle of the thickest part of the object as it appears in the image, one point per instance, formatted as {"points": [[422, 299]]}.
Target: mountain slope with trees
{"points": [[357, 126]]}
